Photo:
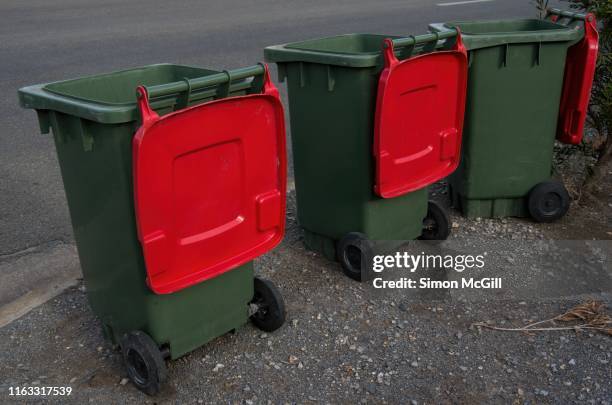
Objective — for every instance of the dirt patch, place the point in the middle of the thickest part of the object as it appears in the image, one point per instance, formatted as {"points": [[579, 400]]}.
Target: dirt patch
{"points": [[590, 215]]}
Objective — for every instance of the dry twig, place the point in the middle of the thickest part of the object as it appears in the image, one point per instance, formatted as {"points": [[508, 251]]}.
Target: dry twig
{"points": [[589, 315]]}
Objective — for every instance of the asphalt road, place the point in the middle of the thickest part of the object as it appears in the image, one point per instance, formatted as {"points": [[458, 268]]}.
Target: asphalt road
{"points": [[43, 41]]}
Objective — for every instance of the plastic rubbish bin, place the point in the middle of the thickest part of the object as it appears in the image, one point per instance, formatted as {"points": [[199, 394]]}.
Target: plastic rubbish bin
{"points": [[516, 86], [369, 133], [168, 221]]}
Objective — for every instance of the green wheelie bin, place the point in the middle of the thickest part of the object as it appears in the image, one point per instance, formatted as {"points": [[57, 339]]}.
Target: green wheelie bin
{"points": [[339, 126], [170, 205], [529, 82]]}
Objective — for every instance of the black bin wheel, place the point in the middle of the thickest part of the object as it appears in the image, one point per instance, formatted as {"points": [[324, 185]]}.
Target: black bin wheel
{"points": [[144, 362], [548, 201], [270, 313], [354, 251], [436, 225]]}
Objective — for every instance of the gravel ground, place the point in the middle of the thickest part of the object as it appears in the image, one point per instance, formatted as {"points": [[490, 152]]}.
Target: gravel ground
{"points": [[343, 342]]}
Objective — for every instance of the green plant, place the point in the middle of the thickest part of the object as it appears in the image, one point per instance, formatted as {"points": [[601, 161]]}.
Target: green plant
{"points": [[541, 6]]}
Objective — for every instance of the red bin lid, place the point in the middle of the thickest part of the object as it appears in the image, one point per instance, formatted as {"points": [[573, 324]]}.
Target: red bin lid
{"points": [[577, 83], [209, 186], [419, 119]]}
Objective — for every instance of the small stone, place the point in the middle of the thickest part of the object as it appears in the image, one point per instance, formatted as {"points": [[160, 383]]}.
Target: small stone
{"points": [[572, 362], [263, 336], [414, 364], [463, 368], [218, 367], [293, 359], [520, 392], [123, 381], [341, 340], [459, 335], [72, 380]]}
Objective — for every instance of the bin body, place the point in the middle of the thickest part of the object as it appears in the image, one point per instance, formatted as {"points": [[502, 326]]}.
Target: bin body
{"points": [[93, 121], [332, 85], [515, 80]]}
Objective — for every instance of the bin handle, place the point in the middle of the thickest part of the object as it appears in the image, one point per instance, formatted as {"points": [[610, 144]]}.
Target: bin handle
{"points": [[412, 40], [143, 94], [557, 14], [389, 45], [216, 79]]}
